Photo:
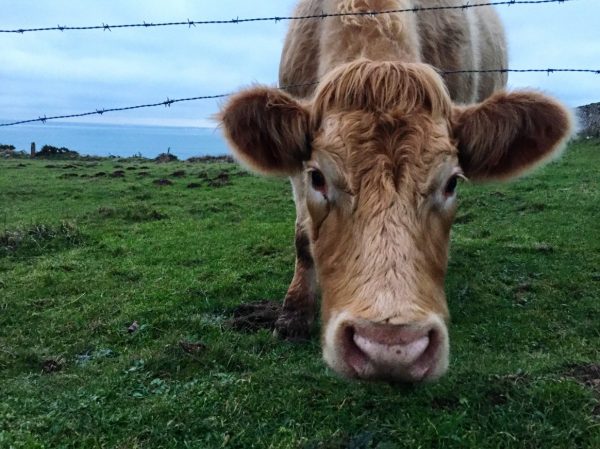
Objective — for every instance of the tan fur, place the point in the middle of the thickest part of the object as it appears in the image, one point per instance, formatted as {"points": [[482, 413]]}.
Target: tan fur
{"points": [[382, 129], [270, 120], [509, 133], [448, 40]]}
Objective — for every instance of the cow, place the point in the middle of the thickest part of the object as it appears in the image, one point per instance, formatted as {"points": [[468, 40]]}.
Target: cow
{"points": [[375, 138]]}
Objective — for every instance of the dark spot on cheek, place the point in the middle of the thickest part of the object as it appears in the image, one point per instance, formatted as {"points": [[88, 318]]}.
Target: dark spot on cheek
{"points": [[303, 249]]}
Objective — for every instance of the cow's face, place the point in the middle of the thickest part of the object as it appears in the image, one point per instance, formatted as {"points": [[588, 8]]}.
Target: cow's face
{"points": [[382, 149]]}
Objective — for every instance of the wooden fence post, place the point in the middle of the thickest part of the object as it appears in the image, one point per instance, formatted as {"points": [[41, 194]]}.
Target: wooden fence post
{"points": [[32, 149]]}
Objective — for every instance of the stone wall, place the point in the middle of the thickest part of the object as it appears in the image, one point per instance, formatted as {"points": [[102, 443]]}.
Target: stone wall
{"points": [[589, 120]]}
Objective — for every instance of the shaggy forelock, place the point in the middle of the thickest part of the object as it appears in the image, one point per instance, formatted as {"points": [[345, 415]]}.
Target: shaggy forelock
{"points": [[379, 87]]}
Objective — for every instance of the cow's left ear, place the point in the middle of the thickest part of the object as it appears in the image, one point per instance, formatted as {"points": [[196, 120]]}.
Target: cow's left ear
{"points": [[509, 134]]}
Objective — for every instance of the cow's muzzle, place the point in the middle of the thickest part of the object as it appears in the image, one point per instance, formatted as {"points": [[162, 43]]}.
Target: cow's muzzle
{"points": [[413, 353]]}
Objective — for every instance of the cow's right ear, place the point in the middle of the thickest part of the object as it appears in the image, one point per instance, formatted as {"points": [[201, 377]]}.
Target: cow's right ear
{"points": [[267, 130]]}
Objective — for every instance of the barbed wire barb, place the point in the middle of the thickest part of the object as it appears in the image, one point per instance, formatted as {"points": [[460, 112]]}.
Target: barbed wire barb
{"points": [[276, 19]]}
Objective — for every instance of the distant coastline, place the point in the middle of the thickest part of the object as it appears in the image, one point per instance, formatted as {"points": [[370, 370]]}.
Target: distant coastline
{"points": [[118, 140]]}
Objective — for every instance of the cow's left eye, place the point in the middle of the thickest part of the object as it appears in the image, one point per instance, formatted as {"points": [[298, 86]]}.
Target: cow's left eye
{"points": [[317, 180], [451, 186]]}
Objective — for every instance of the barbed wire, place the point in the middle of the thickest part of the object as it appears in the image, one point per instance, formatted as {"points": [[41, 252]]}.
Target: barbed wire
{"points": [[168, 102], [192, 23]]}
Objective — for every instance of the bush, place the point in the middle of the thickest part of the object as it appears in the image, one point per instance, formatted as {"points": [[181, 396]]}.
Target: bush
{"points": [[166, 157], [51, 151]]}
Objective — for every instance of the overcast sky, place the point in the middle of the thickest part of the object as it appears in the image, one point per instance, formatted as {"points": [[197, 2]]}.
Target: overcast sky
{"points": [[54, 73]]}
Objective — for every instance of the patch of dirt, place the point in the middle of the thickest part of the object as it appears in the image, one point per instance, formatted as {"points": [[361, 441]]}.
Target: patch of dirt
{"points": [[107, 212], [221, 180], [178, 174], [252, 317], [53, 365], [543, 247], [192, 348], [143, 213], [162, 182], [587, 374], [194, 185], [447, 403], [117, 174]]}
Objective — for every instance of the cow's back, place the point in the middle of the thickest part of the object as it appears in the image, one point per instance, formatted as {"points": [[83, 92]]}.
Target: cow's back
{"points": [[463, 39]]}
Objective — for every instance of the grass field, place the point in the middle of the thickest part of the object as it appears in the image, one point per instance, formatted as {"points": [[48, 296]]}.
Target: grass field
{"points": [[87, 248]]}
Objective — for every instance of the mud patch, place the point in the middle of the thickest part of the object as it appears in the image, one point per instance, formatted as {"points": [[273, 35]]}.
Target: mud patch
{"points": [[117, 174], [162, 182], [252, 317], [587, 374], [445, 403], [53, 365], [191, 347], [143, 213], [221, 180]]}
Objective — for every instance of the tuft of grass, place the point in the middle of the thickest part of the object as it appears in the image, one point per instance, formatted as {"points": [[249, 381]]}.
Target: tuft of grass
{"points": [[39, 238]]}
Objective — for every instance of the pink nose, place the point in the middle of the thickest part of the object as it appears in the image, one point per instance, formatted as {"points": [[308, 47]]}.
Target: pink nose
{"points": [[406, 353]]}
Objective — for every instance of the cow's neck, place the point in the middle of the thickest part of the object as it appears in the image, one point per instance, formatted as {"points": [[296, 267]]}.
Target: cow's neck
{"points": [[384, 37]]}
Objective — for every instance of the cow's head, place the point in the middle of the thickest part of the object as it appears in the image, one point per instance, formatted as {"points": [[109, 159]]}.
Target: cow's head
{"points": [[382, 147]]}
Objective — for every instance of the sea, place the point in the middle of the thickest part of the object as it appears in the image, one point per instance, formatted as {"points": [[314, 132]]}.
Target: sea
{"points": [[117, 140]]}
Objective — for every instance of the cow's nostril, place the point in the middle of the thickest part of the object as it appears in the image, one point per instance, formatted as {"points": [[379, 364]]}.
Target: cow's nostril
{"points": [[353, 355], [427, 359]]}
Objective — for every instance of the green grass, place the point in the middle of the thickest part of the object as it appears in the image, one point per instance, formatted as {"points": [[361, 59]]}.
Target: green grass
{"points": [[83, 257]]}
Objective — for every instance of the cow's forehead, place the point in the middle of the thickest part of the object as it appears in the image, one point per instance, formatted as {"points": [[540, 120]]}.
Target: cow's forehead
{"points": [[355, 145]]}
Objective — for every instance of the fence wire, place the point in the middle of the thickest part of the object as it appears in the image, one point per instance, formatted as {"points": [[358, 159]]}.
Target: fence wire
{"points": [[193, 23], [168, 102]]}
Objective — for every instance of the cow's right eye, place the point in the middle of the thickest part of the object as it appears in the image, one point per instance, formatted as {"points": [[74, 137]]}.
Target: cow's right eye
{"points": [[317, 180]]}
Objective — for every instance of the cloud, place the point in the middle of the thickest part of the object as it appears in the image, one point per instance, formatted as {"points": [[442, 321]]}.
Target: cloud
{"points": [[58, 73]]}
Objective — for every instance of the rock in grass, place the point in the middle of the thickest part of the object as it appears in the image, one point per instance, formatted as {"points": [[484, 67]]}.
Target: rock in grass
{"points": [[133, 327]]}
